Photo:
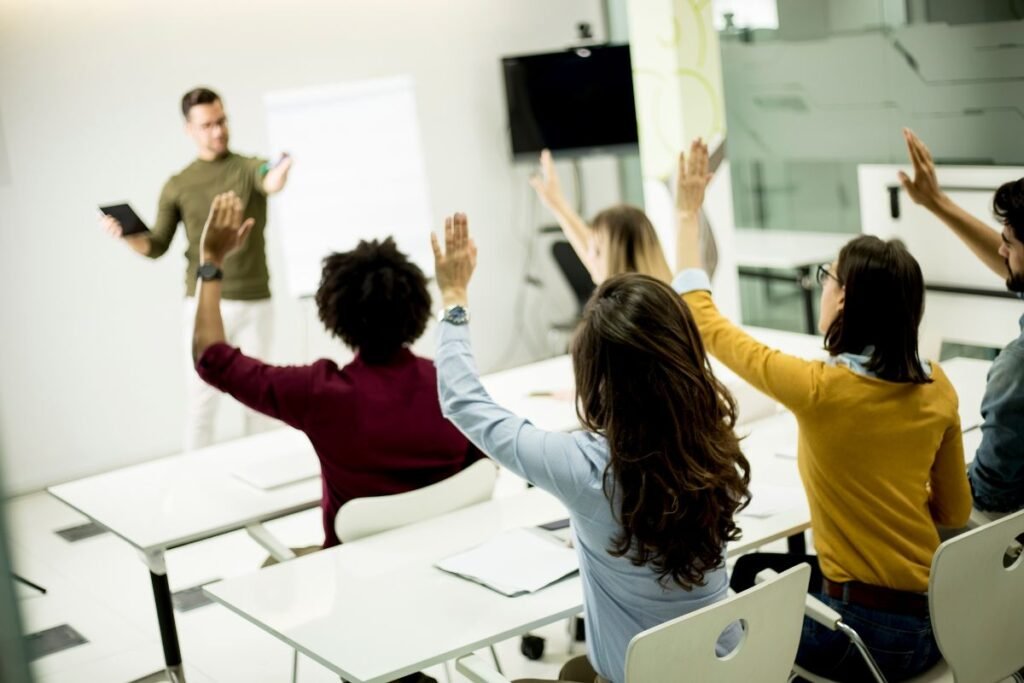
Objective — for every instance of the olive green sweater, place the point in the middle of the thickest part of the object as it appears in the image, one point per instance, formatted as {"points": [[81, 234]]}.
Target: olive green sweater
{"points": [[186, 198]]}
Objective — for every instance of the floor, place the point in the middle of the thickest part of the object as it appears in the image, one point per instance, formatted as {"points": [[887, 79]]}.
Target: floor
{"points": [[100, 587]]}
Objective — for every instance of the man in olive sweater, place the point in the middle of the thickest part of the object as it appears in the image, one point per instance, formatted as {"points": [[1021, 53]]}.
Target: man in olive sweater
{"points": [[186, 198]]}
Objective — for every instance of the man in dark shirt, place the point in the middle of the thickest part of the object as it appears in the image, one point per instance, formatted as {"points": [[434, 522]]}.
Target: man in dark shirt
{"points": [[375, 424], [186, 199], [997, 471]]}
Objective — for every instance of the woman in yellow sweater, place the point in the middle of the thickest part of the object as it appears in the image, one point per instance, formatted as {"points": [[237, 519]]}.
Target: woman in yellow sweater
{"points": [[879, 450]]}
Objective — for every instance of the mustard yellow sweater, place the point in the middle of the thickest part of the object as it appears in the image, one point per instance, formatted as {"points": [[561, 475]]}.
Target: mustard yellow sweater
{"points": [[882, 462]]}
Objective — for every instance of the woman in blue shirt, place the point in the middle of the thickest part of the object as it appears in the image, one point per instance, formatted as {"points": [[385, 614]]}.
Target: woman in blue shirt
{"points": [[653, 480]]}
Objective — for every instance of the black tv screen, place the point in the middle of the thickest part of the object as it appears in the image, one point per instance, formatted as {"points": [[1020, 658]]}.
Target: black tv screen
{"points": [[578, 100]]}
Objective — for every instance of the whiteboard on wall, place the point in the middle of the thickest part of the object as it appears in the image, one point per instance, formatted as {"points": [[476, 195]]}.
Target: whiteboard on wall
{"points": [[887, 211], [943, 257], [359, 173]]}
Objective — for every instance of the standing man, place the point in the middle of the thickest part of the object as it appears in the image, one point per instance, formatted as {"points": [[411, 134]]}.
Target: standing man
{"points": [[997, 472], [186, 198]]}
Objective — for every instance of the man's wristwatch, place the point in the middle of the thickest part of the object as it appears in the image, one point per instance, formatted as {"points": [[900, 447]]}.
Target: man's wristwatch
{"points": [[456, 315], [209, 271]]}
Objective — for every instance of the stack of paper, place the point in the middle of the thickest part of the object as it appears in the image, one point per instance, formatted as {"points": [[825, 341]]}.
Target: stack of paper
{"points": [[516, 562]]}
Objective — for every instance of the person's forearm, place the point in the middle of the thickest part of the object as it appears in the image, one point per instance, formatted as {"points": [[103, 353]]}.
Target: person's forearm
{"points": [[141, 244], [275, 179], [687, 241], [575, 228], [454, 297], [980, 238], [209, 327]]}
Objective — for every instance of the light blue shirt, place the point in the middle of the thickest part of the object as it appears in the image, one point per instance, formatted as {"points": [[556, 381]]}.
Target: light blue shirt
{"points": [[620, 599]]}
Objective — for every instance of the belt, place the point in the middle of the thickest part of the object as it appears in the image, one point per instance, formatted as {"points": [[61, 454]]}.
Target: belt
{"points": [[877, 597]]}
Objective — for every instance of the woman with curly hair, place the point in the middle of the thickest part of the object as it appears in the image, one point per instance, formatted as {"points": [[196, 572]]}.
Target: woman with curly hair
{"points": [[653, 480], [375, 424]]}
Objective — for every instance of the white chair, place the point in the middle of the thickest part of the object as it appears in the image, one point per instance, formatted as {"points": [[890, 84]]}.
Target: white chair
{"points": [[362, 517], [684, 648], [976, 600]]}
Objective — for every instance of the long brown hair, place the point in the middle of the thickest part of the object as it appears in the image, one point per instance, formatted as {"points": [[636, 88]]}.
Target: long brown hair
{"points": [[633, 244], [676, 475]]}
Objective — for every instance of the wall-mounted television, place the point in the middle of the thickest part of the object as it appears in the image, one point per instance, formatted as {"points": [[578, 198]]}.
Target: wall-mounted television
{"points": [[576, 101]]}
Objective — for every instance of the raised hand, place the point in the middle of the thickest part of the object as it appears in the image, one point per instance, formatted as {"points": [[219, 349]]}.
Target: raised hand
{"points": [[454, 266], [546, 183], [225, 231], [924, 187], [692, 179]]}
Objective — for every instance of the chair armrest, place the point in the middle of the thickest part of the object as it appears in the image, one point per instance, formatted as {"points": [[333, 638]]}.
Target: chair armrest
{"points": [[821, 613], [478, 671]]}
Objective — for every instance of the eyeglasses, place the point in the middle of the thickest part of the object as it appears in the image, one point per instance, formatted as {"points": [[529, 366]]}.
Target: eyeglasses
{"points": [[825, 272]]}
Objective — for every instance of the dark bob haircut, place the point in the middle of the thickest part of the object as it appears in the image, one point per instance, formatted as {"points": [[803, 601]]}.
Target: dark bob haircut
{"points": [[374, 299], [883, 307]]}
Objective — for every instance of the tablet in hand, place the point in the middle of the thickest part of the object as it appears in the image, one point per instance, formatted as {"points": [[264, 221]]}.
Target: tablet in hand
{"points": [[130, 222]]}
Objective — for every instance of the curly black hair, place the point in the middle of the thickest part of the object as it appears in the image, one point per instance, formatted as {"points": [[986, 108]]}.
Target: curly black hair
{"points": [[374, 299], [1008, 205]]}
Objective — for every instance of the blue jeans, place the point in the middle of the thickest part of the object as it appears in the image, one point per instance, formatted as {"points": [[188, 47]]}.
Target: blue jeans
{"points": [[902, 645]]}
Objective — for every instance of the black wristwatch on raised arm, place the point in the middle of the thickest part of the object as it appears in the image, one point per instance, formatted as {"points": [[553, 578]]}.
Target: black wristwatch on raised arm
{"points": [[209, 271]]}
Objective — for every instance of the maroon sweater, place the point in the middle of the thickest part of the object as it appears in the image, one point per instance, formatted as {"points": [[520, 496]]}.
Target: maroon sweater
{"points": [[377, 429]]}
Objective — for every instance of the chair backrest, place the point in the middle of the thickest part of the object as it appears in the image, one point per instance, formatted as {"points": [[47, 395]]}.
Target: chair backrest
{"points": [[361, 517], [772, 615], [575, 272], [977, 601]]}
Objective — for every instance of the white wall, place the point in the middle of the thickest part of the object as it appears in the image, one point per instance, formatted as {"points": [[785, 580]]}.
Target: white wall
{"points": [[91, 355]]}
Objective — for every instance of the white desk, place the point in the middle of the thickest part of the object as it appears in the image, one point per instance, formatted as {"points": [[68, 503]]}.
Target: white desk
{"points": [[787, 249], [969, 376], [181, 499], [376, 609], [762, 253]]}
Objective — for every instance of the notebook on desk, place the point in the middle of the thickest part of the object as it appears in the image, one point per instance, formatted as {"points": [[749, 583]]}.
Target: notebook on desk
{"points": [[516, 562], [279, 470]]}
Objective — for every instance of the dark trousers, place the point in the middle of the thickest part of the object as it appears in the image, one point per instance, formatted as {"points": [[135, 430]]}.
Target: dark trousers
{"points": [[576, 669], [902, 644]]}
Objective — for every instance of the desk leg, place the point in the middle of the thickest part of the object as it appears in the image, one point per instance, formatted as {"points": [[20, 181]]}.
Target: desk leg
{"points": [[797, 544], [165, 616], [807, 286]]}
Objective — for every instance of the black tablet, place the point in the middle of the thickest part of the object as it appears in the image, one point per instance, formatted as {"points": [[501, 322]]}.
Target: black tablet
{"points": [[130, 222]]}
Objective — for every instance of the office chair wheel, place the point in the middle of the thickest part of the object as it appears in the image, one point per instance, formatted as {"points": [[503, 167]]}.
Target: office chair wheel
{"points": [[532, 647]]}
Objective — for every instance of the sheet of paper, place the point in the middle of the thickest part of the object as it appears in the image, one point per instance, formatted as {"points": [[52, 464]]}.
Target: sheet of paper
{"points": [[279, 470], [515, 562], [767, 500]]}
